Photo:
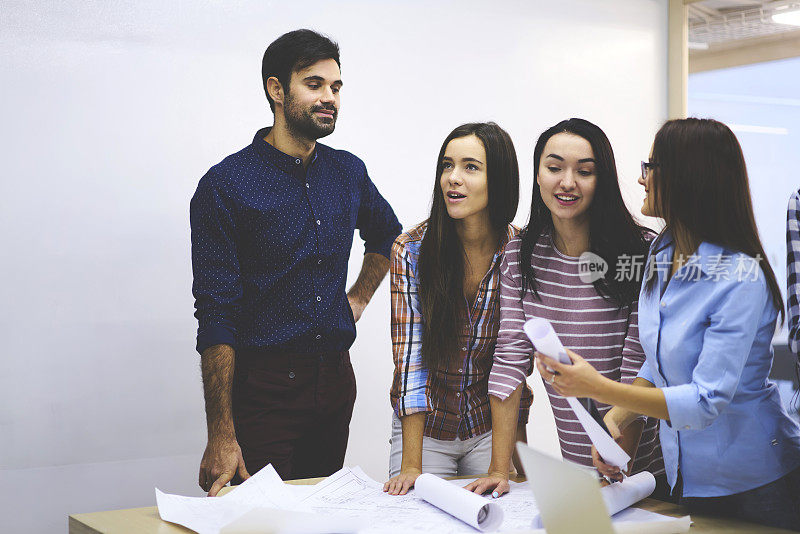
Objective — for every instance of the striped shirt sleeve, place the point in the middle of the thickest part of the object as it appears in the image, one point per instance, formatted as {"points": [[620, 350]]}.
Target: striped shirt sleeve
{"points": [[632, 353], [512, 355], [414, 391], [793, 270]]}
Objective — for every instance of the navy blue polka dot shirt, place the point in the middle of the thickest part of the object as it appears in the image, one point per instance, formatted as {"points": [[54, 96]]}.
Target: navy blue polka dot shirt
{"points": [[270, 246]]}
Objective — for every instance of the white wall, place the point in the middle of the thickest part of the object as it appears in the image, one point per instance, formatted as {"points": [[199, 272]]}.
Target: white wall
{"points": [[111, 113]]}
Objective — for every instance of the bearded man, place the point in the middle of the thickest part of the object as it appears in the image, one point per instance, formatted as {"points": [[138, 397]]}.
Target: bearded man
{"points": [[272, 229]]}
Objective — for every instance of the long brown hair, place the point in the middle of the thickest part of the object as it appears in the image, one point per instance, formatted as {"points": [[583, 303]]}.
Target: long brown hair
{"points": [[440, 269], [613, 233], [700, 188]]}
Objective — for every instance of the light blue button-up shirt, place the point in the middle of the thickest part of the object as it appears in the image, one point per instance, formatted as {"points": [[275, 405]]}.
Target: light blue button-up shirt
{"points": [[707, 337]]}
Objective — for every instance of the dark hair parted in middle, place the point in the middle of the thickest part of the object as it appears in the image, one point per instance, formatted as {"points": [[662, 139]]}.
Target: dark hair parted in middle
{"points": [[442, 257], [292, 52], [613, 233], [702, 192]]}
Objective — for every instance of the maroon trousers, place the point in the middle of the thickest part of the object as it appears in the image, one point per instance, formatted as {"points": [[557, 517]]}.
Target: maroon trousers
{"points": [[293, 411]]}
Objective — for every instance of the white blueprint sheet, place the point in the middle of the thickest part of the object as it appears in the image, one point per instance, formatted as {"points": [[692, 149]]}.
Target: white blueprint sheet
{"points": [[351, 494]]}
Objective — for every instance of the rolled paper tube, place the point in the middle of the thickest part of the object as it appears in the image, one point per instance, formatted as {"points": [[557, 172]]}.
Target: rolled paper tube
{"points": [[545, 339], [470, 508]]}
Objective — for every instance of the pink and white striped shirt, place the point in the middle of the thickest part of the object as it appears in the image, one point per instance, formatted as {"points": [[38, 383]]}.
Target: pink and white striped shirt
{"points": [[604, 334]]}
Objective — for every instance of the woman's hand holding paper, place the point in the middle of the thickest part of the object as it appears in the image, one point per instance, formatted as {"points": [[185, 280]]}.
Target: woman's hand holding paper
{"points": [[577, 380]]}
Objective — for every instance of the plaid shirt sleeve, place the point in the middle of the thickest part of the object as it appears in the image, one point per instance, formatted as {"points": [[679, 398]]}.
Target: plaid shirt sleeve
{"points": [[411, 390], [793, 269]]}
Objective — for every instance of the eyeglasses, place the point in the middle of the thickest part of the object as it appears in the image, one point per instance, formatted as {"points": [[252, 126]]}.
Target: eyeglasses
{"points": [[647, 165]]}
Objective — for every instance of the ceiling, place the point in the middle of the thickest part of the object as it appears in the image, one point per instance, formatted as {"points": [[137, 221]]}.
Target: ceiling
{"points": [[725, 22]]}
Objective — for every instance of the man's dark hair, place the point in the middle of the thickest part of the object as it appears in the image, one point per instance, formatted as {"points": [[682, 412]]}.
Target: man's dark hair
{"points": [[292, 52]]}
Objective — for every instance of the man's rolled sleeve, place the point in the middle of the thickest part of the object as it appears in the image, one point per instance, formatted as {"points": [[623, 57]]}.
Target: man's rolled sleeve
{"points": [[217, 288], [411, 376], [727, 343], [377, 224]]}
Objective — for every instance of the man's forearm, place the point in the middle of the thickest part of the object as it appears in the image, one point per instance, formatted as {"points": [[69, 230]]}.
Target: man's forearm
{"points": [[217, 364], [505, 415], [373, 270]]}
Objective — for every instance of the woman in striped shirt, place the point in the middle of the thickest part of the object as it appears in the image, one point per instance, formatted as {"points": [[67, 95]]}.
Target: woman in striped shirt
{"points": [[578, 220], [445, 310]]}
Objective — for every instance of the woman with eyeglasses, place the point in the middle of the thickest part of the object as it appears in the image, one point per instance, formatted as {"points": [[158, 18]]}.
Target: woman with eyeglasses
{"points": [[445, 311], [577, 218], [707, 315]]}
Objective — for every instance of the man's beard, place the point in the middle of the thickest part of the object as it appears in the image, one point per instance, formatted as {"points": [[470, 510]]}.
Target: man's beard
{"points": [[304, 123]]}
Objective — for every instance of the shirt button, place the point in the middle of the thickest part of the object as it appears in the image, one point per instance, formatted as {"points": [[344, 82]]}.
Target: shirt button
{"points": [[297, 162], [687, 427], [463, 348], [318, 222], [458, 416], [460, 370], [319, 336], [458, 394], [663, 304], [774, 442], [319, 299], [308, 185], [291, 374], [319, 262]]}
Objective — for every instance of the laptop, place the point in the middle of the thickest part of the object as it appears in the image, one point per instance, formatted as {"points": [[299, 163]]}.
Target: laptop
{"points": [[568, 496]]}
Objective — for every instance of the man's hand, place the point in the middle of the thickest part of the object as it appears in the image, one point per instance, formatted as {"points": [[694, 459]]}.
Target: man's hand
{"points": [[357, 306], [494, 483], [403, 482], [221, 460], [223, 456]]}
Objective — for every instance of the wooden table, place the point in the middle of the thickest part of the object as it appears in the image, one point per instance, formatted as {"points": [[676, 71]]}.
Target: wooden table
{"points": [[147, 521]]}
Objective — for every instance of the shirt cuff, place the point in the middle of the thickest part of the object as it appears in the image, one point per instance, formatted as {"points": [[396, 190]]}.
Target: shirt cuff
{"points": [[411, 404], [214, 335], [383, 248], [644, 372], [682, 407]]}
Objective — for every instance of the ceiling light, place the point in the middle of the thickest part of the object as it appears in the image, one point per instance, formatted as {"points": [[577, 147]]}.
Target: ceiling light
{"points": [[787, 17]]}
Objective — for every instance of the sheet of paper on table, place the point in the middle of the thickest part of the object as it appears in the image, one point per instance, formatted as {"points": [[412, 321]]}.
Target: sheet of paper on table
{"points": [[350, 501], [204, 515]]}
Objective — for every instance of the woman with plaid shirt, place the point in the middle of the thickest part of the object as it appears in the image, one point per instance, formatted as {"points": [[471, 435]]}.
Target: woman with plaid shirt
{"points": [[446, 312]]}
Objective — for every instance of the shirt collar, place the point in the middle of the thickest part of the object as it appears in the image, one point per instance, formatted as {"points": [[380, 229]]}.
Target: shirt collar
{"points": [[285, 162], [706, 257], [511, 231]]}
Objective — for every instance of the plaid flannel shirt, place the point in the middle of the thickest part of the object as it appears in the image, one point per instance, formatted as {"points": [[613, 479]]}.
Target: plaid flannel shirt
{"points": [[456, 397], [793, 269]]}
